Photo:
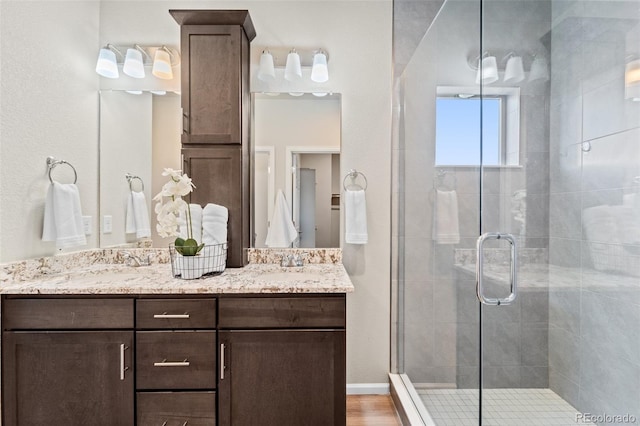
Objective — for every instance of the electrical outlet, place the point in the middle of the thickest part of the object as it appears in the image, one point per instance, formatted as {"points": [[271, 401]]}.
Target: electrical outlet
{"points": [[86, 224], [107, 224]]}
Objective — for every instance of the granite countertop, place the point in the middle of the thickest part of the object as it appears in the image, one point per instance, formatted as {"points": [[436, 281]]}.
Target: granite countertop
{"points": [[98, 277]]}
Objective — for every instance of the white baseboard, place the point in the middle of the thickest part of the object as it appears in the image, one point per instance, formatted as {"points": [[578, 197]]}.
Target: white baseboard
{"points": [[367, 388]]}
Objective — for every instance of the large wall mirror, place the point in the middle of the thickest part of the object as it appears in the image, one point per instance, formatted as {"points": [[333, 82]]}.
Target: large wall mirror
{"points": [[297, 140]]}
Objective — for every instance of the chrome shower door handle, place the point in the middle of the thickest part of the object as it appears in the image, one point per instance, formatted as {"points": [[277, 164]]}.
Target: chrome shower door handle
{"points": [[512, 275]]}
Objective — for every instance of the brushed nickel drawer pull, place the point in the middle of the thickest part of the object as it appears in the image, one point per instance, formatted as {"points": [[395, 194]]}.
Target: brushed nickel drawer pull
{"points": [[166, 363], [164, 424], [165, 315], [185, 423], [123, 367]]}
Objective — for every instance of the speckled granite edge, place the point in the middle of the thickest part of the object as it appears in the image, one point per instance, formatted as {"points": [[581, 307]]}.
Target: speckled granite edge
{"points": [[310, 255], [34, 269]]}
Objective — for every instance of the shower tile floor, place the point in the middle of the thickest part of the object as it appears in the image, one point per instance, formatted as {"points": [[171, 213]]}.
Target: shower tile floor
{"points": [[502, 407]]}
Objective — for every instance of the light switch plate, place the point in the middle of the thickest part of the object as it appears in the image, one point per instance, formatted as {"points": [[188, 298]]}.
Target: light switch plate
{"points": [[107, 224], [86, 224]]}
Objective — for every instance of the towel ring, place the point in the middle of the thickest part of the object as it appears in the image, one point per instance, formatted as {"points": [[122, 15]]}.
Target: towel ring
{"points": [[130, 178], [52, 163], [353, 174]]}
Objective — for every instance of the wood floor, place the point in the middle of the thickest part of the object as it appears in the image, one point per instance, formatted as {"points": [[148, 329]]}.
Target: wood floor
{"points": [[371, 410]]}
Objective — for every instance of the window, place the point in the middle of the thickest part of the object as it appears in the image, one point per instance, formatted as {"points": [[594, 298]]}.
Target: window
{"points": [[458, 126]]}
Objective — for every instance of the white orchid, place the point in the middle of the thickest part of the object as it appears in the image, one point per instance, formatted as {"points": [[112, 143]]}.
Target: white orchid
{"points": [[170, 204]]}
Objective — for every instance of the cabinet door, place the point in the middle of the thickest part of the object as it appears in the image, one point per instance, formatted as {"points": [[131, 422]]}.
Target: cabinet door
{"points": [[218, 176], [211, 84], [68, 378], [283, 377]]}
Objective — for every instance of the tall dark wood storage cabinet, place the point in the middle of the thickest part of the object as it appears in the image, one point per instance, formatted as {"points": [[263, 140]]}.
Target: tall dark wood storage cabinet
{"points": [[216, 106]]}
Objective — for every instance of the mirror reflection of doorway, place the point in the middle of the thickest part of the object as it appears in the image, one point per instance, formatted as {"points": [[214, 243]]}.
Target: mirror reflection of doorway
{"points": [[315, 191]]}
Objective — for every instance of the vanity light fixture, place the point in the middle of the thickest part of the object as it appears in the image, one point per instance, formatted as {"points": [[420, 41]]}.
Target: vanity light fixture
{"points": [[539, 69], [158, 92], [320, 94], [487, 69], [107, 65], [133, 62], [293, 69], [632, 80], [162, 64], [267, 71], [136, 59], [296, 94], [514, 71], [319, 70], [134, 92]]}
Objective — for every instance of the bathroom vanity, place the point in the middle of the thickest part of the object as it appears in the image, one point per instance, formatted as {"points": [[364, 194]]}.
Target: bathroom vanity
{"points": [[120, 346]]}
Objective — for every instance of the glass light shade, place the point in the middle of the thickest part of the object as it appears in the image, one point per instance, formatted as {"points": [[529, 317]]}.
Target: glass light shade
{"points": [[107, 65], [320, 71], [293, 70], [632, 81], [489, 71], [158, 92], [296, 94], [320, 94], [133, 64], [539, 69], [266, 72], [514, 71], [162, 65], [134, 92]]}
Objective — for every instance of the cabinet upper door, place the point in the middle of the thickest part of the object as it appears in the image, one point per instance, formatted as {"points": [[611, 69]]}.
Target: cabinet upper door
{"points": [[68, 378], [212, 82], [282, 378]]}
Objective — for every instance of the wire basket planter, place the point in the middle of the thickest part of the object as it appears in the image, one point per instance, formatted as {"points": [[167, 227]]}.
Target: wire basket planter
{"points": [[211, 260]]}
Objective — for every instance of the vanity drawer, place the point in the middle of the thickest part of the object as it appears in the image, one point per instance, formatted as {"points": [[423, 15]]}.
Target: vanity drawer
{"points": [[176, 408], [176, 359], [175, 313], [282, 312], [66, 314]]}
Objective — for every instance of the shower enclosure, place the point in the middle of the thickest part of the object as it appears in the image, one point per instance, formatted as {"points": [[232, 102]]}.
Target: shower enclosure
{"points": [[516, 210]]}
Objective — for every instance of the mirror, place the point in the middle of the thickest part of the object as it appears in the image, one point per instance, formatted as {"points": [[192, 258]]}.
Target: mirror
{"points": [[297, 151], [140, 135]]}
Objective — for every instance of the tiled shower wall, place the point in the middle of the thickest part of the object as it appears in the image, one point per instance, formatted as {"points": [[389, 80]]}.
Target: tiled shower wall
{"points": [[594, 319]]}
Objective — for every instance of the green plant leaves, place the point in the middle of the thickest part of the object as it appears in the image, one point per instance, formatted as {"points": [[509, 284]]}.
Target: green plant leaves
{"points": [[188, 247]]}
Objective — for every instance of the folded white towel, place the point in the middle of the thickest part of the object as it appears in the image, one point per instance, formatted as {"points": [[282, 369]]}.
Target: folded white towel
{"points": [[214, 224], [196, 223], [214, 232], [445, 218], [63, 216], [281, 231], [355, 217], [137, 215]]}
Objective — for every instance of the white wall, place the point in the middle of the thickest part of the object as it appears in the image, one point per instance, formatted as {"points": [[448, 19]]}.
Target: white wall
{"points": [[49, 107], [66, 36]]}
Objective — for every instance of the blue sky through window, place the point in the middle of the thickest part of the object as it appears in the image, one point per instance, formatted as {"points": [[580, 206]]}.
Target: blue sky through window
{"points": [[458, 131]]}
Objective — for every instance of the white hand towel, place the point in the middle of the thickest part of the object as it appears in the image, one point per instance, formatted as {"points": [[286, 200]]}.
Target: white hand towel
{"points": [[63, 216], [355, 217], [281, 231], [214, 232], [137, 215], [445, 218], [196, 223], [214, 224]]}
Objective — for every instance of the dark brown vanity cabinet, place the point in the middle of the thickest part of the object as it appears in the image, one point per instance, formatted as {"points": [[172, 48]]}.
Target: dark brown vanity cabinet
{"points": [[216, 106], [64, 363], [282, 361], [197, 360]]}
